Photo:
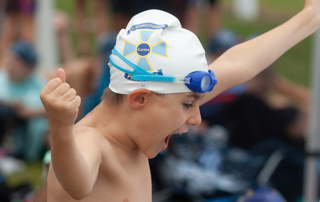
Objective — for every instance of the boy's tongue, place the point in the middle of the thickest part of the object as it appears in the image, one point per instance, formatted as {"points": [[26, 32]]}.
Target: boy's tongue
{"points": [[165, 142]]}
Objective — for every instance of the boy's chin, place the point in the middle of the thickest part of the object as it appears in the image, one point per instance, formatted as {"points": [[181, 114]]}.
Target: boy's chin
{"points": [[151, 155]]}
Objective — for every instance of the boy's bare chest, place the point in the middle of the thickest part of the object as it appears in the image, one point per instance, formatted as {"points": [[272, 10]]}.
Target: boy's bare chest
{"points": [[116, 183], [128, 183]]}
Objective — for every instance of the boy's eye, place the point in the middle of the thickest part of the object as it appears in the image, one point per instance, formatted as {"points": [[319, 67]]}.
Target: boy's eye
{"points": [[188, 105]]}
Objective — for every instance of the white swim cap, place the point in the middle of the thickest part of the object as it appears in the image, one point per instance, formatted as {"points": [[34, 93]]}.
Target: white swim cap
{"points": [[155, 41]]}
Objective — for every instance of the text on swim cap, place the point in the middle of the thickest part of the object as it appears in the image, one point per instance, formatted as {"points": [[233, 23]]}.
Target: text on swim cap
{"points": [[147, 26], [143, 49]]}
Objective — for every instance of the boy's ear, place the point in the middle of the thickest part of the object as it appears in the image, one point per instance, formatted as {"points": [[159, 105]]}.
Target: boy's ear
{"points": [[137, 98]]}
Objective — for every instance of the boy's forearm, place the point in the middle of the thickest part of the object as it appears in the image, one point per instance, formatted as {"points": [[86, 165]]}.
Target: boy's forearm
{"points": [[76, 165], [70, 166], [242, 62], [255, 55]]}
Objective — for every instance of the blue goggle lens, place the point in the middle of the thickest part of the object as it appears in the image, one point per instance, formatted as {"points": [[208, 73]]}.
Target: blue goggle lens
{"points": [[205, 83]]}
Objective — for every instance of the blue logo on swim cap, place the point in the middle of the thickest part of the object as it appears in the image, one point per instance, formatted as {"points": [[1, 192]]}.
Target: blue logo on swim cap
{"points": [[141, 53], [143, 49]]}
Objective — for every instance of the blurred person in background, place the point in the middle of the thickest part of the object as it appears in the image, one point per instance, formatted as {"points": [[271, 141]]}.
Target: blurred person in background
{"points": [[2, 15], [112, 15], [223, 39], [100, 22], [203, 15], [213, 18], [19, 92], [93, 70], [272, 107], [270, 117], [61, 24], [19, 22]]}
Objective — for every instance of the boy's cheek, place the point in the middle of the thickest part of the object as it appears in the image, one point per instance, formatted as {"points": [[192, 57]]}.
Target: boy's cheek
{"points": [[145, 141]]}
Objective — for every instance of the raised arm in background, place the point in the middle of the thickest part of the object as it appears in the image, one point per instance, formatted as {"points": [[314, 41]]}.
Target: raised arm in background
{"points": [[242, 62]]}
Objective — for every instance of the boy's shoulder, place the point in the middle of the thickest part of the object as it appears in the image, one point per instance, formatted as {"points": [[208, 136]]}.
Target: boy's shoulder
{"points": [[91, 140]]}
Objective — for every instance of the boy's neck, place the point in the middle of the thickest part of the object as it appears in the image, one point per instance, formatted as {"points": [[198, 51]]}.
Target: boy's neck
{"points": [[109, 120]]}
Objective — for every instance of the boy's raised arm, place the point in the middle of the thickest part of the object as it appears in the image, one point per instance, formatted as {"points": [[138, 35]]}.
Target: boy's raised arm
{"points": [[76, 170], [242, 62]]}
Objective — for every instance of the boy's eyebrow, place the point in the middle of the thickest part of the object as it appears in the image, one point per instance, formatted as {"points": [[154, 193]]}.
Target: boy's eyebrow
{"points": [[196, 96]]}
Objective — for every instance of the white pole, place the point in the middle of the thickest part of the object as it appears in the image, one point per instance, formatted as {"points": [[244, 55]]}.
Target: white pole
{"points": [[246, 10], [313, 139], [45, 36]]}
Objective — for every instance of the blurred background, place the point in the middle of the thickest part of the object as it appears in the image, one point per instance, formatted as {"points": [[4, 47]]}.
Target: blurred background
{"points": [[251, 143]]}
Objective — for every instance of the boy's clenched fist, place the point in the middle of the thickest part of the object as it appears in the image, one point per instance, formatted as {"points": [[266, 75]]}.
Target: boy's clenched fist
{"points": [[60, 101]]}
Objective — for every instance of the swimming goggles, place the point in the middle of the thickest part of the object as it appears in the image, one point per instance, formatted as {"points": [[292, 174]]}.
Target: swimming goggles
{"points": [[198, 81]]}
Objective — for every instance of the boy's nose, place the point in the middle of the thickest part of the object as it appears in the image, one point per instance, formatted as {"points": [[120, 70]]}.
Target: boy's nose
{"points": [[195, 119]]}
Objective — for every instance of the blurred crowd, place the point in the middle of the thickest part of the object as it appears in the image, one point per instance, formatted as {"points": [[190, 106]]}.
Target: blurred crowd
{"points": [[249, 144]]}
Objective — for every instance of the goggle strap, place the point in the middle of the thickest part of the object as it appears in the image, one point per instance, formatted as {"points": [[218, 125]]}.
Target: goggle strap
{"points": [[154, 78], [136, 69], [185, 80], [118, 67], [161, 78], [139, 73]]}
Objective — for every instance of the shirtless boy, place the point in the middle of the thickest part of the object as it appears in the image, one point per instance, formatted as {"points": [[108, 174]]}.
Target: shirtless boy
{"points": [[104, 157]]}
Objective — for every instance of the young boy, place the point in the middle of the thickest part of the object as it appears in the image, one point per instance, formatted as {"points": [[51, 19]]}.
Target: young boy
{"points": [[19, 96], [158, 78]]}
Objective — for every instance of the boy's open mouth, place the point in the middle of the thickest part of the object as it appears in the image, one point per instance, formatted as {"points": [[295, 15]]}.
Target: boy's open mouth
{"points": [[165, 142]]}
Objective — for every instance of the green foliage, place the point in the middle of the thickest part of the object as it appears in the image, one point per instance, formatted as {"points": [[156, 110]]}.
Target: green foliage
{"points": [[31, 175], [283, 6], [66, 6]]}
